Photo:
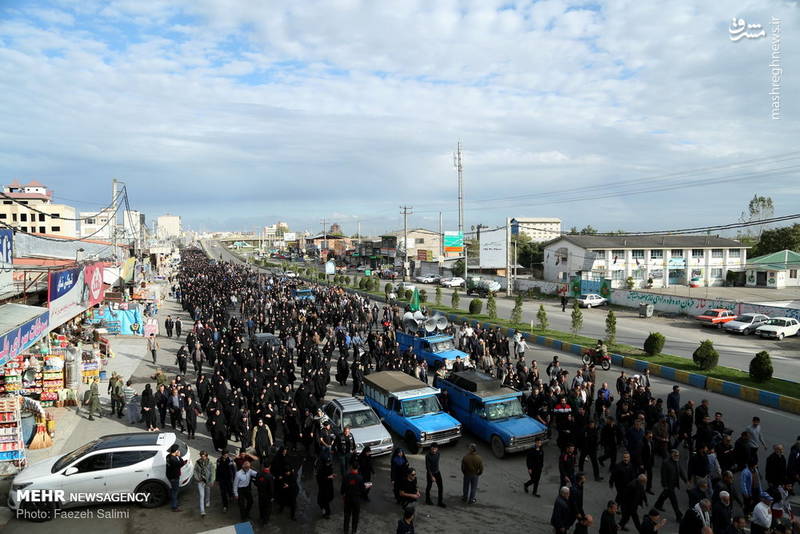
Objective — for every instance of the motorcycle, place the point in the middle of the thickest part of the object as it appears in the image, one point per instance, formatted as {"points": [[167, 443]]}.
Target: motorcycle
{"points": [[593, 356]]}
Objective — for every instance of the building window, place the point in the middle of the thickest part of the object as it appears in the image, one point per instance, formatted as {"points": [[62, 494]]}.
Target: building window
{"points": [[638, 274], [55, 228], [656, 254], [14, 217], [24, 228], [676, 253], [698, 253], [716, 273], [8, 202], [55, 215], [618, 254], [734, 253], [3, 215], [637, 254], [42, 230], [23, 202], [792, 273], [716, 253], [89, 221], [419, 241], [619, 274], [41, 217], [23, 217]]}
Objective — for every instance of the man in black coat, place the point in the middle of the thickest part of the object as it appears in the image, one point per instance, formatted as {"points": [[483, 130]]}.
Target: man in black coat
{"points": [[632, 498], [621, 474], [353, 490], [563, 516], [722, 513], [648, 459], [775, 471], [265, 484], [535, 463], [589, 449], [671, 475]]}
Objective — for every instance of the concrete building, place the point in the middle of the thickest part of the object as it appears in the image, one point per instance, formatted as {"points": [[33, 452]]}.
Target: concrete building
{"points": [[168, 226], [539, 229], [132, 222], [664, 259], [96, 224], [19, 202], [776, 270], [423, 245]]}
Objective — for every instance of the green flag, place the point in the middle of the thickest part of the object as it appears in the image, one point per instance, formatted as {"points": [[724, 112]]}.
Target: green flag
{"points": [[414, 304]]}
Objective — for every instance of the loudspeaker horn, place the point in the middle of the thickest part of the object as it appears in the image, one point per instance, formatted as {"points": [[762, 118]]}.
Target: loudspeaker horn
{"points": [[419, 316], [409, 322], [430, 324], [441, 322]]}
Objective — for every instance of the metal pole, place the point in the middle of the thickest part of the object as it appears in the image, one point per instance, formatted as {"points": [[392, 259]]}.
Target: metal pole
{"points": [[406, 212], [509, 288]]}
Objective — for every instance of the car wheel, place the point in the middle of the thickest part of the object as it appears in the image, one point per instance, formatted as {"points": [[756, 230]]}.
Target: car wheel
{"points": [[40, 512], [498, 449], [411, 443], [588, 306], [157, 494], [780, 336], [747, 331]]}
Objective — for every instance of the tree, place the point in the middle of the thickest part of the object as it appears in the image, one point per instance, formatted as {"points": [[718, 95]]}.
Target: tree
{"points": [[654, 343], [388, 289], [516, 312], [758, 209], [455, 300], [529, 253], [458, 268], [438, 296], [611, 327], [541, 315], [761, 367], [475, 306], [777, 239], [577, 318], [706, 356], [491, 307], [586, 230]]}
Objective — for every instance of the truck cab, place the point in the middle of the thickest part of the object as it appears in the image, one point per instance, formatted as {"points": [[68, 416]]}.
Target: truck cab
{"points": [[437, 350], [303, 294], [410, 408], [491, 411]]}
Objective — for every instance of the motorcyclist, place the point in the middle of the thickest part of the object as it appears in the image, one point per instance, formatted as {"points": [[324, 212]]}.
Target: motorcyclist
{"points": [[601, 349]]}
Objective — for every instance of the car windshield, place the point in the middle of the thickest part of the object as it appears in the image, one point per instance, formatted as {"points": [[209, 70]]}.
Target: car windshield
{"points": [[777, 322], [68, 458], [442, 346], [360, 419], [584, 297], [414, 407], [504, 410], [746, 319]]}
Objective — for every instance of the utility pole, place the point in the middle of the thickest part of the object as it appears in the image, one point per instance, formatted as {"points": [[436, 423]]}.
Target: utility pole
{"points": [[460, 168], [441, 243], [406, 212], [324, 237], [509, 286]]}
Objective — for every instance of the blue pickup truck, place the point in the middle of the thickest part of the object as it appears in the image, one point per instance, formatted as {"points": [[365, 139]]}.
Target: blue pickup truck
{"points": [[303, 294], [410, 408], [435, 349], [491, 411]]}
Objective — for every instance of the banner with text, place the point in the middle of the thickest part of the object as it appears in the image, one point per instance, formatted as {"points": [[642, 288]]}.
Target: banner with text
{"points": [[493, 249], [454, 242], [93, 278], [67, 295], [6, 260], [17, 340]]}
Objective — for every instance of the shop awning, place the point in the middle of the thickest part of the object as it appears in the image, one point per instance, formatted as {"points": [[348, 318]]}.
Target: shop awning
{"points": [[20, 327]]}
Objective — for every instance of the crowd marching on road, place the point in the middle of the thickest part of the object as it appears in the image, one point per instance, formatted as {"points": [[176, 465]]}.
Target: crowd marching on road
{"points": [[267, 399]]}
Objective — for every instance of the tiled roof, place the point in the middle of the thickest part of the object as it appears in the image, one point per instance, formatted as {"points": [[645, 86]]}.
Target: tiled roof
{"points": [[650, 241]]}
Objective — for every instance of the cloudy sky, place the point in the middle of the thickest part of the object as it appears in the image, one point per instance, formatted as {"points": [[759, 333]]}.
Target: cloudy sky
{"points": [[237, 113]]}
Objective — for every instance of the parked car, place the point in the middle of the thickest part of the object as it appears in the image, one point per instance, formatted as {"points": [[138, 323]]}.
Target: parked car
{"points": [[746, 324], [427, 278], [482, 287], [362, 268], [110, 466], [590, 300], [289, 274], [406, 286], [779, 328], [388, 275], [716, 317], [455, 281], [364, 424]]}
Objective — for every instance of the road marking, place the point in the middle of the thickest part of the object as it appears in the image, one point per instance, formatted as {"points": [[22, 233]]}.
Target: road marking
{"points": [[778, 413]]}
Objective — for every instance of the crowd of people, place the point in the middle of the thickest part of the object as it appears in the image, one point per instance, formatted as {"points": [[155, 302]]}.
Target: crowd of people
{"points": [[266, 398]]}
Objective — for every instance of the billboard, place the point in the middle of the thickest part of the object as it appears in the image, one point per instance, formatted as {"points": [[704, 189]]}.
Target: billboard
{"points": [[14, 342], [6, 260], [93, 278], [290, 236], [67, 295], [425, 255], [493, 249], [453, 242], [330, 267]]}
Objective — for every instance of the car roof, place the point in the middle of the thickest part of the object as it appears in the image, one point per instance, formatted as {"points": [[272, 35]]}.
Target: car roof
{"points": [[134, 440], [350, 404]]}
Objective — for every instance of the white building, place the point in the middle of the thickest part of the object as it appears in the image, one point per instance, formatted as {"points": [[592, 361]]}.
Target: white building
{"points": [[132, 222], [168, 226], [539, 229], [30, 208], [96, 224], [667, 260]]}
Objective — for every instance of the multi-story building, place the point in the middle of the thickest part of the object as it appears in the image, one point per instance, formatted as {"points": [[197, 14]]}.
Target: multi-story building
{"points": [[132, 222], [422, 245], [96, 224], [539, 229], [667, 260], [168, 226], [22, 207]]}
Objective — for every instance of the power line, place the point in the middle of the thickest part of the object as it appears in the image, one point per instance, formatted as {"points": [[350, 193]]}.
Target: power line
{"points": [[12, 199]]}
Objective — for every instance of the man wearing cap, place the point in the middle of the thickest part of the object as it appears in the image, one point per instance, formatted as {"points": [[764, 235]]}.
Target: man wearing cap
{"points": [[762, 515]]}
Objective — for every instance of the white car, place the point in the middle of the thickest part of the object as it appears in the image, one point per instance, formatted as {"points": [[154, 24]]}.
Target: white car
{"points": [[427, 278], [110, 467], [455, 281], [406, 286], [590, 300], [779, 328], [746, 324], [365, 425], [289, 274]]}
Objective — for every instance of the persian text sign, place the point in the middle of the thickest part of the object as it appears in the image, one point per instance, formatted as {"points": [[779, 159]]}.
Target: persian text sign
{"points": [[67, 296], [22, 337]]}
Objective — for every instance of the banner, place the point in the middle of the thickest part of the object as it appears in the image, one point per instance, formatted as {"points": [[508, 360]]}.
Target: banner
{"points": [[454, 242], [330, 267], [93, 278], [425, 255], [127, 269], [6, 260], [67, 295], [290, 236], [493, 249], [22, 337]]}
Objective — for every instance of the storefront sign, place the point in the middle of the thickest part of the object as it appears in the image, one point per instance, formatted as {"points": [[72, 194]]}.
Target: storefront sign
{"points": [[22, 337], [6, 260], [93, 279], [454, 242], [66, 296]]}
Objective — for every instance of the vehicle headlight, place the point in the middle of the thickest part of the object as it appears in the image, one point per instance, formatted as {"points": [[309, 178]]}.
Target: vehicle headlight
{"points": [[21, 485], [512, 440], [384, 441], [423, 436]]}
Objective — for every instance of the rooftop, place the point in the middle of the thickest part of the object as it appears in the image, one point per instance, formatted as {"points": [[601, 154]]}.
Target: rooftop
{"points": [[649, 241], [393, 381], [777, 261], [398, 233]]}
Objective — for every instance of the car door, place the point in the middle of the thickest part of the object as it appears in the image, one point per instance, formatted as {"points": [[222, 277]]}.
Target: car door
{"points": [[128, 469], [90, 474], [793, 328]]}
